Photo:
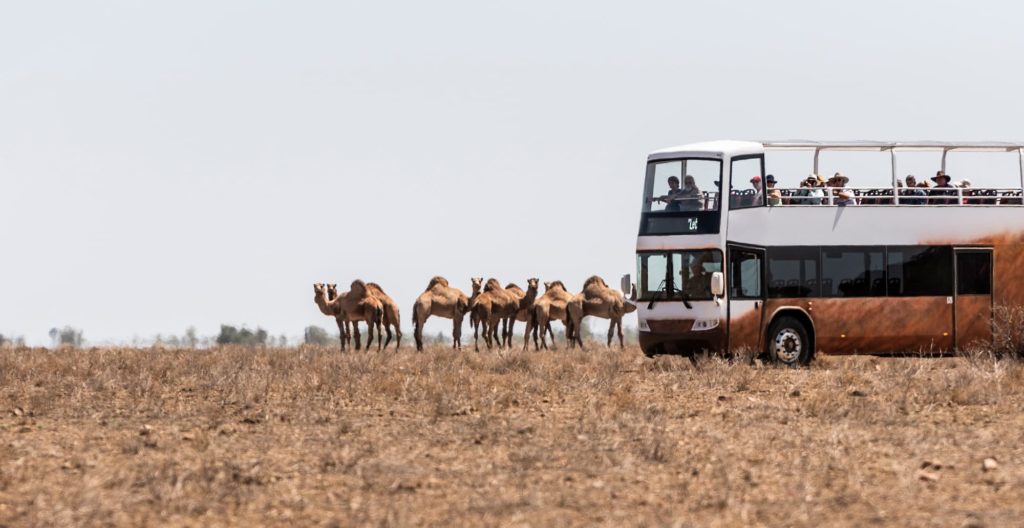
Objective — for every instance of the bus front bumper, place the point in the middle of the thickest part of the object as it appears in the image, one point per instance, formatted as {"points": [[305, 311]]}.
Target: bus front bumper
{"points": [[682, 343]]}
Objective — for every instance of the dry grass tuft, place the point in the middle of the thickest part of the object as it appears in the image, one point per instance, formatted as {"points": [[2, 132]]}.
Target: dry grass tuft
{"points": [[311, 436]]}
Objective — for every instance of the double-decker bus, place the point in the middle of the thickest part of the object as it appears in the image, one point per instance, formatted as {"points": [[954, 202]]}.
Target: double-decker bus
{"points": [[724, 266]]}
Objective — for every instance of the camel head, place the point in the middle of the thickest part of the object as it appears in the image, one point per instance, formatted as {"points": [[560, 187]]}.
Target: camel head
{"points": [[531, 284], [332, 292], [547, 285], [318, 290], [478, 283]]}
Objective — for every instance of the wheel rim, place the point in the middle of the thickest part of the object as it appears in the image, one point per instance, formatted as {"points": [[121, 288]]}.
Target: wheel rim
{"points": [[787, 345]]}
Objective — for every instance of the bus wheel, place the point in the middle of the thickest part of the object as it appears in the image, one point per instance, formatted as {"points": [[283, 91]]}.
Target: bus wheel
{"points": [[788, 343]]}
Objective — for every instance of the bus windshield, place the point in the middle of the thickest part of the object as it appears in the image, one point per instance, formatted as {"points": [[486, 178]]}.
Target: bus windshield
{"points": [[681, 185], [677, 275]]}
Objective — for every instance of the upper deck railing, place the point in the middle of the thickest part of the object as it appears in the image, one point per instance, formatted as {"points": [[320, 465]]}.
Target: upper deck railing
{"points": [[955, 196]]}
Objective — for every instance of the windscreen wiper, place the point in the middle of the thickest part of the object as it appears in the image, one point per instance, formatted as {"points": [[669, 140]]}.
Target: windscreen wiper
{"points": [[661, 289]]}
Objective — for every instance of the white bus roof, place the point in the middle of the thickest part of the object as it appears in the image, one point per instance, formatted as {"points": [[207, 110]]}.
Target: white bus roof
{"points": [[739, 148]]}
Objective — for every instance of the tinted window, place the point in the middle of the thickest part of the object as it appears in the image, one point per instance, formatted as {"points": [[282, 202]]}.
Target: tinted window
{"points": [[793, 272], [745, 274], [853, 272], [920, 270], [677, 275], [974, 273]]}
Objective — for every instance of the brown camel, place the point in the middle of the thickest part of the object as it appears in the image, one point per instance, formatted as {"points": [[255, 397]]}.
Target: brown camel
{"points": [[493, 305], [525, 312], [477, 285], [391, 315], [551, 306], [356, 305], [332, 292], [598, 300], [441, 300]]}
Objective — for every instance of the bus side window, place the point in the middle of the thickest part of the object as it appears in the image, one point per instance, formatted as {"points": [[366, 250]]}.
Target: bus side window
{"points": [[745, 274]]}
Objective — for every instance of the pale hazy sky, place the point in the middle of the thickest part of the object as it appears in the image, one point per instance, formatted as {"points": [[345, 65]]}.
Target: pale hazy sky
{"points": [[195, 163]]}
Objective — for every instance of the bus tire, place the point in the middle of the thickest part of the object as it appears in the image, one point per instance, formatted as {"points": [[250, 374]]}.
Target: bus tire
{"points": [[788, 342]]}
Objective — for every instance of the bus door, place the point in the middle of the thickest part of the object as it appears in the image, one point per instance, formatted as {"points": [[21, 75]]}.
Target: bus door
{"points": [[972, 306], [745, 290]]}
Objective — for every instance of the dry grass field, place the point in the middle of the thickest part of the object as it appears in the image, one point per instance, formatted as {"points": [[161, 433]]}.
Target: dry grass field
{"points": [[312, 437]]}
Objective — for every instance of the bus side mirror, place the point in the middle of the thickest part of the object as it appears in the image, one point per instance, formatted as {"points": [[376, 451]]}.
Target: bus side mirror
{"points": [[717, 284], [626, 284]]}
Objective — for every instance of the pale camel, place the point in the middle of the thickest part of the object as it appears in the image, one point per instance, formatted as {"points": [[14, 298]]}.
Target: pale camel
{"points": [[493, 305], [477, 285], [598, 300], [551, 306], [441, 300], [344, 331], [391, 315], [356, 305], [525, 311], [318, 294]]}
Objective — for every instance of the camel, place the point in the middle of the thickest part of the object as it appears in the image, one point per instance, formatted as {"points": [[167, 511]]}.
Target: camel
{"points": [[598, 300], [391, 315], [493, 305], [441, 300], [525, 311], [318, 293], [551, 306], [477, 285], [355, 305]]}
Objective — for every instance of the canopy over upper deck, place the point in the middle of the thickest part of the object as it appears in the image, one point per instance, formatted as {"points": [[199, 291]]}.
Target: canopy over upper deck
{"points": [[738, 148]]}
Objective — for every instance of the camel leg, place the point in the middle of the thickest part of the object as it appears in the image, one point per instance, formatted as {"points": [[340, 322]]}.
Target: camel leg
{"points": [[398, 336], [541, 321], [618, 325], [387, 328], [457, 332], [355, 335], [476, 332], [526, 334], [550, 331], [611, 331], [342, 331], [508, 333]]}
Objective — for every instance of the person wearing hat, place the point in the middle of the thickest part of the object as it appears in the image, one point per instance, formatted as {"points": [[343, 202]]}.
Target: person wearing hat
{"points": [[941, 180], [774, 195], [810, 192], [757, 198], [843, 196]]}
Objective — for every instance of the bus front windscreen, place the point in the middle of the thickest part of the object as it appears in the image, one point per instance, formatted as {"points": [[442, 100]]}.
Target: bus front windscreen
{"points": [[677, 275]]}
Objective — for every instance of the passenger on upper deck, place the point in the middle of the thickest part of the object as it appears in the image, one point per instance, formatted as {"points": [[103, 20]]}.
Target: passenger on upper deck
{"points": [[811, 192], [685, 199], [757, 198], [843, 196], [941, 180], [774, 195], [913, 194]]}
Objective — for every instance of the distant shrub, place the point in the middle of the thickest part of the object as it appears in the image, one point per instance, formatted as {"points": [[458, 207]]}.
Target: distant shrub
{"points": [[229, 335], [67, 336], [314, 335]]}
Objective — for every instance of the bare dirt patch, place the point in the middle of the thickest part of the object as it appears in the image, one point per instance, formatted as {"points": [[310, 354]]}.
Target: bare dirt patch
{"points": [[315, 437]]}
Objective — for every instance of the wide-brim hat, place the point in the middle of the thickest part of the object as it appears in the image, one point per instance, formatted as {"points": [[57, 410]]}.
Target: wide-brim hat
{"points": [[940, 174], [839, 177]]}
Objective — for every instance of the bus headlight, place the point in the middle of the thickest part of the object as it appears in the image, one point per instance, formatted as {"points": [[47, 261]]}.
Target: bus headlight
{"points": [[704, 324]]}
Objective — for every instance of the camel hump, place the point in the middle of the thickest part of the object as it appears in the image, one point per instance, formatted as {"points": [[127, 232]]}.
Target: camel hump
{"points": [[438, 280], [594, 281], [358, 287], [374, 287], [511, 286], [555, 284], [492, 284]]}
